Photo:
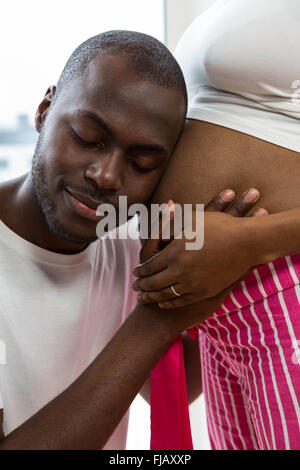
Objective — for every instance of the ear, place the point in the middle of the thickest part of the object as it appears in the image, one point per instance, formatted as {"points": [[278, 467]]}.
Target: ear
{"points": [[43, 108]]}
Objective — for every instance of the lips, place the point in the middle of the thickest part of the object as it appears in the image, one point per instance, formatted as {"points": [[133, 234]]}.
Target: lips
{"points": [[82, 204], [87, 200]]}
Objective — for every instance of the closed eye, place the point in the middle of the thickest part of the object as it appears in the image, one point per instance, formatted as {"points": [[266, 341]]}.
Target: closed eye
{"points": [[86, 143], [139, 168]]}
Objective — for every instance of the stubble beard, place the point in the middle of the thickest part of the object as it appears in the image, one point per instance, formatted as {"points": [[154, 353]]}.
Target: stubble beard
{"points": [[46, 202]]}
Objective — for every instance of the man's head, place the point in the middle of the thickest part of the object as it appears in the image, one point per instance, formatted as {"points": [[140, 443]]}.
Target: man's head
{"points": [[106, 130]]}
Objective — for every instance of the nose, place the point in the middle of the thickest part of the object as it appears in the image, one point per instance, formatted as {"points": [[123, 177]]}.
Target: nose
{"points": [[106, 171]]}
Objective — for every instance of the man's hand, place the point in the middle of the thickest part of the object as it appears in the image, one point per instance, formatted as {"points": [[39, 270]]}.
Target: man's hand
{"points": [[200, 274]]}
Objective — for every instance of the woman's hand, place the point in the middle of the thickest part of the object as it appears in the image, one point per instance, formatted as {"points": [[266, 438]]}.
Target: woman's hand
{"points": [[200, 274]]}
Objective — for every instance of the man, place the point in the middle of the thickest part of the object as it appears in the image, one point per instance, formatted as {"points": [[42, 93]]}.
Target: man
{"points": [[107, 130]]}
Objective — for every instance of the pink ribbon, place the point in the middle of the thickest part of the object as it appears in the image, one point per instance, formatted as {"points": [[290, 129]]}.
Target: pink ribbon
{"points": [[170, 419]]}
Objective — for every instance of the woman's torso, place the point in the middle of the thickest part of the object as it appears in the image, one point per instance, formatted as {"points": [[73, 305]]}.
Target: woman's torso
{"points": [[251, 139], [241, 62], [210, 158]]}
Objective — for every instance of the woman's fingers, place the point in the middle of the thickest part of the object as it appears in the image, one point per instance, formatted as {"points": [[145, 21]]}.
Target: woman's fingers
{"points": [[153, 283], [226, 202], [221, 201], [260, 212], [160, 296], [178, 302], [154, 265], [242, 204]]}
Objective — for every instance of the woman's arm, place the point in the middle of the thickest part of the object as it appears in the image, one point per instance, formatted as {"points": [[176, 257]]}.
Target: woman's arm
{"points": [[274, 236], [232, 247]]}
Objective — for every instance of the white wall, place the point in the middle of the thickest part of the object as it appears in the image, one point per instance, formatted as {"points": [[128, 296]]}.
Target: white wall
{"points": [[139, 425], [179, 14]]}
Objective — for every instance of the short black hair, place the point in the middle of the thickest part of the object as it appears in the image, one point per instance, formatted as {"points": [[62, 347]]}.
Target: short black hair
{"points": [[150, 59]]}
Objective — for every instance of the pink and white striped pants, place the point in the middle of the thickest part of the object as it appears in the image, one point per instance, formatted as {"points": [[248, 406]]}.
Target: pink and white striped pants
{"points": [[250, 359]]}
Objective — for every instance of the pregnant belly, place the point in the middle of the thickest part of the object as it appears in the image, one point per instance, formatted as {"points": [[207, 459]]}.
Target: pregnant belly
{"points": [[210, 158]]}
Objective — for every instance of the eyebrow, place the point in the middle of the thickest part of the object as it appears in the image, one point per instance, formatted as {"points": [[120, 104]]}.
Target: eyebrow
{"points": [[154, 148], [97, 119]]}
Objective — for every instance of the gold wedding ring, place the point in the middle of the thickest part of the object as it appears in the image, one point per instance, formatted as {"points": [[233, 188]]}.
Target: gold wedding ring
{"points": [[174, 292]]}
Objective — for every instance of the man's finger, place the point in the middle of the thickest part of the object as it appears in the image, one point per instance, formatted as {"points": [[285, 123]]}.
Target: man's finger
{"points": [[243, 204], [220, 202]]}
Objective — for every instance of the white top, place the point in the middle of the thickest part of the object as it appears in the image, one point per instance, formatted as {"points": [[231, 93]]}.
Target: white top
{"points": [[241, 63], [57, 312]]}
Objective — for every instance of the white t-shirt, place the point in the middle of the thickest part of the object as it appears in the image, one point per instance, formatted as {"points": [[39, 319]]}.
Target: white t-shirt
{"points": [[240, 60], [57, 312]]}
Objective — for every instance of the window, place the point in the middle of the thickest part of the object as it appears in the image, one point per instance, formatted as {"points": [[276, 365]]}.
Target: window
{"points": [[37, 38]]}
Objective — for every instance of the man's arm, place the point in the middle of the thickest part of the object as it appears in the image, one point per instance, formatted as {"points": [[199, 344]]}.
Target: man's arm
{"points": [[85, 415]]}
